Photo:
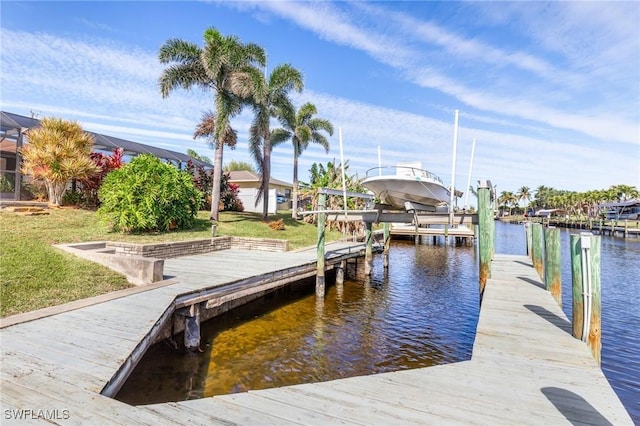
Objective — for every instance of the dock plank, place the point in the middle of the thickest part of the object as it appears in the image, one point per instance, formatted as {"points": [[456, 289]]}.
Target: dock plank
{"points": [[526, 368]]}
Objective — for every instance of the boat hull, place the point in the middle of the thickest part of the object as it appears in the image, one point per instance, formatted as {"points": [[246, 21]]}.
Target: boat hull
{"points": [[396, 191]]}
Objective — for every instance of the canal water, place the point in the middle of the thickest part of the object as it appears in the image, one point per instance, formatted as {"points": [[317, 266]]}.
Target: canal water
{"points": [[423, 311]]}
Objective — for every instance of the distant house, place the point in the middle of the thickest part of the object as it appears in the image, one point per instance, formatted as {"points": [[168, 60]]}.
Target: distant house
{"points": [[551, 213], [621, 210], [248, 185]]}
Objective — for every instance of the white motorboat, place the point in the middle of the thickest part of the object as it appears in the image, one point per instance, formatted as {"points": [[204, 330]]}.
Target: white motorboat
{"points": [[407, 186]]}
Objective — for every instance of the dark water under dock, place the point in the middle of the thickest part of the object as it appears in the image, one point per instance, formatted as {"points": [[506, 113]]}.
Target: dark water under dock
{"points": [[422, 313]]}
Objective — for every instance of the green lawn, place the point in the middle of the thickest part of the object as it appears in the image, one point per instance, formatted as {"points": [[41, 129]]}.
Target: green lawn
{"points": [[35, 275]]}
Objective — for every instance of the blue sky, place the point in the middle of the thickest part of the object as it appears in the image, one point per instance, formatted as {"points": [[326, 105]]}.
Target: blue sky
{"points": [[550, 91]]}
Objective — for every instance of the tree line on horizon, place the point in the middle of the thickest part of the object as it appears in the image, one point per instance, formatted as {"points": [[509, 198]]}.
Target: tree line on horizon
{"points": [[575, 203]]}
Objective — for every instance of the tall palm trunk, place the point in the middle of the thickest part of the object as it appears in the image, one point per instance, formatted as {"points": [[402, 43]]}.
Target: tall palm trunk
{"points": [[266, 175], [294, 202], [217, 180]]}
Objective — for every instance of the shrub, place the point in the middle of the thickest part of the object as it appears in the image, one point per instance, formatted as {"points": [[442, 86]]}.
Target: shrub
{"points": [[148, 195], [203, 180], [229, 194], [277, 225], [71, 198], [105, 163]]}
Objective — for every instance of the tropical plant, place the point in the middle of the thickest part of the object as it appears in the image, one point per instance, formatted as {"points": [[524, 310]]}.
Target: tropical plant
{"points": [[524, 194], [224, 65], [7, 183], [229, 195], [624, 192], [89, 186], [330, 176], [148, 195], [301, 127], [203, 181], [507, 199], [58, 151], [235, 166], [270, 97], [203, 158]]}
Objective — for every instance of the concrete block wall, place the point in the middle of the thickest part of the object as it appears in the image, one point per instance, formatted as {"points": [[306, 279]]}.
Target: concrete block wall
{"points": [[265, 244], [192, 247]]}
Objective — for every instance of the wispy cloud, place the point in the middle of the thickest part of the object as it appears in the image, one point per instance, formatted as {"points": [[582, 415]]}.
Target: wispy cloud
{"points": [[549, 95], [112, 88]]}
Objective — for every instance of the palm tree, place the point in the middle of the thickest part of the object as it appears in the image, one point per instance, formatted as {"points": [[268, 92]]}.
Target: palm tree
{"points": [[301, 127], [206, 129], [203, 158], [524, 194], [624, 192], [507, 199], [270, 97], [224, 65]]}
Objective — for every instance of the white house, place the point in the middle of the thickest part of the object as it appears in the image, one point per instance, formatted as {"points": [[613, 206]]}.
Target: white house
{"points": [[248, 185]]}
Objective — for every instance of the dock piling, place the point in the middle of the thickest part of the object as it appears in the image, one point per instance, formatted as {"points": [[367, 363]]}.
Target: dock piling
{"points": [[537, 246], [485, 217], [387, 244], [552, 265], [585, 273], [368, 254], [322, 216], [192, 328]]}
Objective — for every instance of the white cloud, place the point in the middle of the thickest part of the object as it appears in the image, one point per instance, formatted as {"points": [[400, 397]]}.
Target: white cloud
{"points": [[112, 89]]}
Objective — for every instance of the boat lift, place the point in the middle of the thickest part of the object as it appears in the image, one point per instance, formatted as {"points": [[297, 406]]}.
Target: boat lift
{"points": [[383, 214]]}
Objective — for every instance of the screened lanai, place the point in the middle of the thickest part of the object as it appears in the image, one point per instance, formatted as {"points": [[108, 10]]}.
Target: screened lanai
{"points": [[13, 127]]}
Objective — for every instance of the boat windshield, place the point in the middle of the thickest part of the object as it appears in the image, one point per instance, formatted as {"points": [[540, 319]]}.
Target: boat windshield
{"points": [[405, 171]]}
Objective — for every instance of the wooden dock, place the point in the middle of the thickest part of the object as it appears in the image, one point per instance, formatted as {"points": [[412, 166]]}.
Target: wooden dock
{"points": [[525, 369]]}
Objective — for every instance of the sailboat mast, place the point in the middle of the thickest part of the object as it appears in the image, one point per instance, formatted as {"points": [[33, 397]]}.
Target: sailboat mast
{"points": [[453, 168], [473, 150]]}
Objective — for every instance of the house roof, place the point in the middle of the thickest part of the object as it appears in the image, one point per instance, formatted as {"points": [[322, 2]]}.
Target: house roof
{"points": [[631, 202], [11, 123], [247, 176]]}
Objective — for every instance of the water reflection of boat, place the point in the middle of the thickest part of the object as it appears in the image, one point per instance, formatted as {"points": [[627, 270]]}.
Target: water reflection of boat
{"points": [[407, 186]]}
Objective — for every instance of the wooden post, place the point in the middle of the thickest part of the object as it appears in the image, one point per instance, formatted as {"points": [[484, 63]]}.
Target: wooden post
{"points": [[595, 329], [485, 217], [192, 329], [537, 244], [576, 286], [527, 233], [492, 237], [322, 217], [368, 254], [586, 290], [553, 269], [340, 272], [387, 244]]}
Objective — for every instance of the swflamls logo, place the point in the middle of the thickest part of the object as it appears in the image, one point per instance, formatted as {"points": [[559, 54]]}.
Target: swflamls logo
{"points": [[31, 414]]}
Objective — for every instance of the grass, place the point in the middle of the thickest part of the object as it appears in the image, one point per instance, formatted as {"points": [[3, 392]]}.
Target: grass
{"points": [[34, 274]]}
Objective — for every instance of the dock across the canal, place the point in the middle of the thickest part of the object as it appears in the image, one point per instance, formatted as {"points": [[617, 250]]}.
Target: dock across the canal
{"points": [[526, 368]]}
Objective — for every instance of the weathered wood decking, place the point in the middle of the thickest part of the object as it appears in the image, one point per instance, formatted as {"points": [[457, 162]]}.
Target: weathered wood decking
{"points": [[526, 368]]}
